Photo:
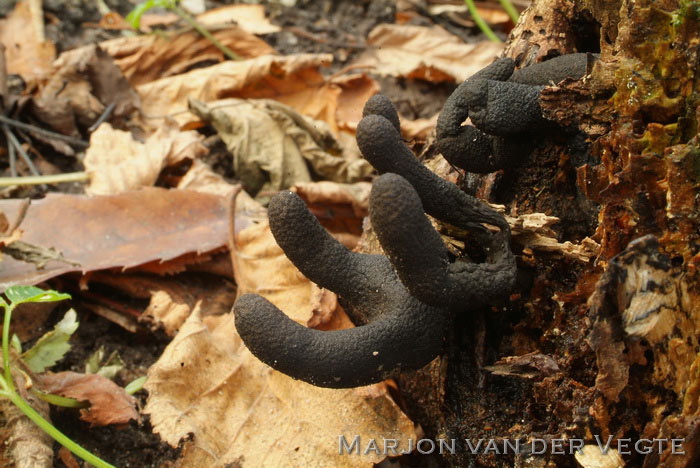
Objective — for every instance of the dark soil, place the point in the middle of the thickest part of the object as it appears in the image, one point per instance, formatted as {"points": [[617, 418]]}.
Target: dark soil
{"points": [[134, 445]]}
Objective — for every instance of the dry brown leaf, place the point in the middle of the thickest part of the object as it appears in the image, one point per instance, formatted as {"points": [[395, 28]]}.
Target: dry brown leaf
{"points": [[208, 385], [83, 84], [418, 129], [273, 147], [264, 418], [260, 266], [117, 163], [339, 207], [272, 77], [355, 90], [201, 178], [292, 80], [26, 52], [109, 403], [249, 17], [171, 298], [123, 230], [427, 53], [25, 443], [146, 58]]}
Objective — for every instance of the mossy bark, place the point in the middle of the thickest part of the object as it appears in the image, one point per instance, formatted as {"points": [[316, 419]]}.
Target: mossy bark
{"points": [[608, 347]]}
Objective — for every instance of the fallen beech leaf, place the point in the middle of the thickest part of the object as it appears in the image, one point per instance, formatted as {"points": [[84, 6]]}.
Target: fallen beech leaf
{"points": [[83, 84], [291, 77], [109, 403], [260, 266], [355, 90], [427, 53], [273, 147], [116, 162], [202, 178], [172, 298], [249, 17], [121, 231], [146, 58], [26, 52], [262, 418]]}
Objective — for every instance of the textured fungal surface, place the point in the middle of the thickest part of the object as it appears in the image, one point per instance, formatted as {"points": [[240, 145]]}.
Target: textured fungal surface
{"points": [[401, 333], [406, 298], [381, 144], [503, 105]]}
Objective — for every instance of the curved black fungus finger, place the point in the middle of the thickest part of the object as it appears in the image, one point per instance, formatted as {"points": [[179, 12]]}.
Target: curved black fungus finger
{"points": [[504, 108], [572, 66], [402, 332], [503, 103], [382, 105], [381, 145], [413, 246], [319, 256], [471, 150], [408, 336], [420, 258], [456, 109]]}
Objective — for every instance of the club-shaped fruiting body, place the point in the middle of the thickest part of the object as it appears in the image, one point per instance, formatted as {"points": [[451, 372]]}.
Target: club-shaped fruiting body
{"points": [[401, 333], [406, 297], [503, 105]]}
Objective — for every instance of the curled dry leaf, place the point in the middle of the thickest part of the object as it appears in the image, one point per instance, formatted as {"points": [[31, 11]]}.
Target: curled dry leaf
{"points": [[428, 53], [292, 80], [117, 231], [146, 58], [263, 418], [26, 52], [263, 77], [201, 178], [249, 17], [274, 147], [109, 403], [84, 83], [117, 163], [171, 298], [238, 410]]}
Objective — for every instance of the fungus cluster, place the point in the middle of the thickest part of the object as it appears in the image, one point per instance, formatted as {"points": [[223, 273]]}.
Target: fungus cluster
{"points": [[405, 298], [503, 106]]}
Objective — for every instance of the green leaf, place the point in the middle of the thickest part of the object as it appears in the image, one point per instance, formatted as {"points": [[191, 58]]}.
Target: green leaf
{"points": [[22, 294], [16, 343], [135, 385], [107, 370], [51, 347]]}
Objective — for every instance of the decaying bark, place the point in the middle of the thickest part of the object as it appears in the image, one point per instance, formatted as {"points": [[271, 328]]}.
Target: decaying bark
{"points": [[604, 341]]}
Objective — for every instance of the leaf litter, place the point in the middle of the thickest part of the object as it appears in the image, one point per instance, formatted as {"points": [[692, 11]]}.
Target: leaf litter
{"points": [[152, 91]]}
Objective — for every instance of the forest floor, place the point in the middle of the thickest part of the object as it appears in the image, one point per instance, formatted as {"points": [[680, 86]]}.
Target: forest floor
{"points": [[132, 300]]}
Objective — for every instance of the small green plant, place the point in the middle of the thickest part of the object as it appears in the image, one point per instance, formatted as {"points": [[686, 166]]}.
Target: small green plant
{"points": [[134, 19], [483, 26], [53, 347]]}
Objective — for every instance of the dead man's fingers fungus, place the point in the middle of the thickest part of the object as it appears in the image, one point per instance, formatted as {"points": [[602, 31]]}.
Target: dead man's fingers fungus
{"points": [[402, 332]]}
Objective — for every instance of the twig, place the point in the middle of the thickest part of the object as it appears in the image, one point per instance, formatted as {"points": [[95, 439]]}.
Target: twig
{"points": [[44, 179], [204, 32], [105, 115], [12, 154], [41, 131], [18, 146]]}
